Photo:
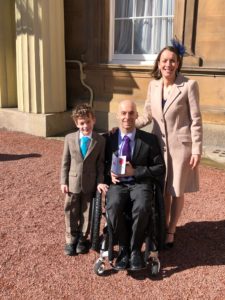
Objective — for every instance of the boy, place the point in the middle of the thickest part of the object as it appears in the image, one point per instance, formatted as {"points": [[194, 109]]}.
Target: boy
{"points": [[81, 172]]}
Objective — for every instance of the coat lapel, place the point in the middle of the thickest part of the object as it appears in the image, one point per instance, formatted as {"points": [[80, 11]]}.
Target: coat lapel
{"points": [[93, 142], [77, 143], [175, 92], [115, 141], [157, 98], [137, 146]]}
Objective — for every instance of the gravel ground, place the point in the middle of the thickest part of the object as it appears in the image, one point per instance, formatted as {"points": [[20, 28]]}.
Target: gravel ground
{"points": [[32, 262]]}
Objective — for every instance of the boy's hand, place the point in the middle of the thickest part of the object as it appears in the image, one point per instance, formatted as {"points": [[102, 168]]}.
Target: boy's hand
{"points": [[64, 188], [102, 188]]}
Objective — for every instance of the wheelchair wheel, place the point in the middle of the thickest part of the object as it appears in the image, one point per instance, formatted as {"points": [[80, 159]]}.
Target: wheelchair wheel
{"points": [[99, 267], [155, 267], [95, 221]]}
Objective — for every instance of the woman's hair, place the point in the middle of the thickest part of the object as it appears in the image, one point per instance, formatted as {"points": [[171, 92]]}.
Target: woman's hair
{"points": [[156, 72]]}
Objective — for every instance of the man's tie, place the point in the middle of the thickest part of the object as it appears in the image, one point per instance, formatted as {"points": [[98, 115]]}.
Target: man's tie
{"points": [[126, 150], [84, 143]]}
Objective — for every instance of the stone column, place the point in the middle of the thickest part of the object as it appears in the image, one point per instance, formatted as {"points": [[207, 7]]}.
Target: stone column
{"points": [[40, 56], [185, 21], [7, 55]]}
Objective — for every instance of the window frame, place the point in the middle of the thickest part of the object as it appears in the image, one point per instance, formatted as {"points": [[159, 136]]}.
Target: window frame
{"points": [[139, 59]]}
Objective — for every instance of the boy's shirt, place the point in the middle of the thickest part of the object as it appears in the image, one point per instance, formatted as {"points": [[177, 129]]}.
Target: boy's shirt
{"points": [[81, 135], [85, 145]]}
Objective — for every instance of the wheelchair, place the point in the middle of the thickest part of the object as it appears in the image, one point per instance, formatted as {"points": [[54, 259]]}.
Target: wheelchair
{"points": [[105, 242]]}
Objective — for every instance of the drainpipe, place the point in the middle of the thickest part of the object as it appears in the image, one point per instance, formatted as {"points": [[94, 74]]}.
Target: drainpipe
{"points": [[82, 77]]}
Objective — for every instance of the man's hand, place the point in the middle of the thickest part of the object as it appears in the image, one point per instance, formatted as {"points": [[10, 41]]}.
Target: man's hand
{"points": [[195, 160], [114, 178], [64, 188], [129, 170], [102, 188]]}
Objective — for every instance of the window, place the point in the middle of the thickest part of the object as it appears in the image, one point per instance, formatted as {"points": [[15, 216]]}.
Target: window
{"points": [[139, 29]]}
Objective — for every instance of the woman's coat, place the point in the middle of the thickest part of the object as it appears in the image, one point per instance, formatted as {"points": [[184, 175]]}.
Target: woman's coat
{"points": [[179, 129]]}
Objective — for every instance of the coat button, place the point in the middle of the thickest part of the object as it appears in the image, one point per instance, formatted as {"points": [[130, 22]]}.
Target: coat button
{"points": [[164, 149], [163, 135]]}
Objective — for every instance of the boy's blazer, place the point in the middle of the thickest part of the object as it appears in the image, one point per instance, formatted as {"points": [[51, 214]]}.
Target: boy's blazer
{"points": [[82, 174]]}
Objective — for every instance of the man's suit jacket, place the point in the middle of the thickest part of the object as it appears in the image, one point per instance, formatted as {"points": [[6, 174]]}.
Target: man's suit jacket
{"points": [[146, 159], [83, 174]]}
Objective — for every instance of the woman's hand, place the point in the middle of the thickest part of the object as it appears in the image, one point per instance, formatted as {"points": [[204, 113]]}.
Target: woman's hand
{"points": [[113, 130], [102, 188], [195, 160], [64, 188]]}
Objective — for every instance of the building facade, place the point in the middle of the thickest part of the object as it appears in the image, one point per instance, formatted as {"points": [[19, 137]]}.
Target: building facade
{"points": [[55, 54]]}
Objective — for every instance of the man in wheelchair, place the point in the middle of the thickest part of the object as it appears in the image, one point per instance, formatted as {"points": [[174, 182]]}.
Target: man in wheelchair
{"points": [[134, 188]]}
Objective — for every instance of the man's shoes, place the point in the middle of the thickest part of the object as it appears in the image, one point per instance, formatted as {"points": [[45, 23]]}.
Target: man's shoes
{"points": [[136, 260], [70, 249], [82, 246], [122, 260]]}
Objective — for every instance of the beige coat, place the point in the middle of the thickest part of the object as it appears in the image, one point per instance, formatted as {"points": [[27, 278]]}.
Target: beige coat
{"points": [[83, 174], [179, 130]]}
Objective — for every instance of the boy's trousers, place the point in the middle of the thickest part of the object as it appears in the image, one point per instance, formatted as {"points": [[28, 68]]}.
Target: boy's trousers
{"points": [[77, 216]]}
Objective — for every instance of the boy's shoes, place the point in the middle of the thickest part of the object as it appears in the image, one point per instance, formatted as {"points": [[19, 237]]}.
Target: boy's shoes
{"points": [[70, 249], [82, 246]]}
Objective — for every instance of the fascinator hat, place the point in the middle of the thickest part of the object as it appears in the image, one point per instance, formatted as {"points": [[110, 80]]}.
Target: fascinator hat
{"points": [[178, 46]]}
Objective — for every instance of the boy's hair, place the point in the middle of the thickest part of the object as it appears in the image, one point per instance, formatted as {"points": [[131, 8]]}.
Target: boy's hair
{"points": [[82, 111]]}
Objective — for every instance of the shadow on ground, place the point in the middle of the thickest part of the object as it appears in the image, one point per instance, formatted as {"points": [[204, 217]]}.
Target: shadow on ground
{"points": [[197, 244], [6, 157]]}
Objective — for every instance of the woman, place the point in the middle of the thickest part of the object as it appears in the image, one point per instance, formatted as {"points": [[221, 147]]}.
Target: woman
{"points": [[173, 106]]}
